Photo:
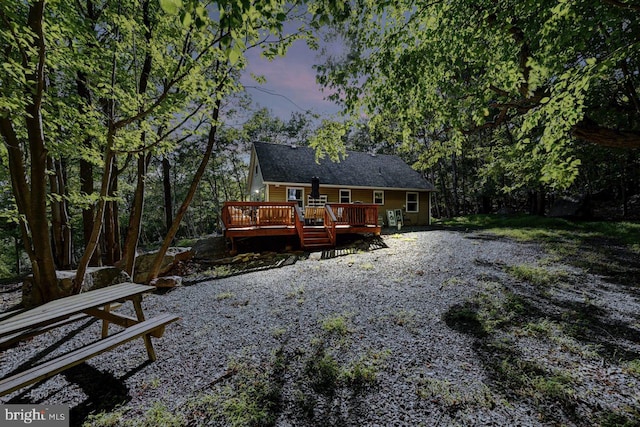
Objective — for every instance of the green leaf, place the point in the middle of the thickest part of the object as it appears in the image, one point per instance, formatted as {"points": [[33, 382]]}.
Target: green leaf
{"points": [[171, 7], [233, 55], [186, 19], [202, 12]]}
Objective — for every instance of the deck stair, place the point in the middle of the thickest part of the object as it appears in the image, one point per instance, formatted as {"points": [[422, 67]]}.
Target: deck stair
{"points": [[315, 237]]}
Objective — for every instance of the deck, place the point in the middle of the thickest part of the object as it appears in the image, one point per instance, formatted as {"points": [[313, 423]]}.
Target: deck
{"points": [[315, 227]]}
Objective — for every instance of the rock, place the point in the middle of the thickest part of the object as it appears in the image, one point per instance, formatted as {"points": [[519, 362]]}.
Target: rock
{"points": [[30, 299], [213, 247], [245, 257], [315, 256], [505, 211], [166, 282], [100, 277], [289, 261], [569, 208], [144, 262], [180, 254], [95, 278]]}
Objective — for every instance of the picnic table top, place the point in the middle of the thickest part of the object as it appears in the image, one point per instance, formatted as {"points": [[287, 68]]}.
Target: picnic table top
{"points": [[63, 308]]}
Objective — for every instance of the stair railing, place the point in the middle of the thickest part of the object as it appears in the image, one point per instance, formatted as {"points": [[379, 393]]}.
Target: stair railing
{"points": [[299, 221], [330, 223]]}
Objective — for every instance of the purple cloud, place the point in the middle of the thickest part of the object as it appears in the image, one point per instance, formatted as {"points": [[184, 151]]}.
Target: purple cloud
{"points": [[290, 82]]}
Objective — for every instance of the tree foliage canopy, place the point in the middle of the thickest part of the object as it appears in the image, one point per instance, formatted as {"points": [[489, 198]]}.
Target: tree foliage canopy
{"points": [[104, 84], [552, 74]]}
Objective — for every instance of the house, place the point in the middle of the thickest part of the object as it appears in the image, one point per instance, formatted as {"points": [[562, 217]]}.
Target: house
{"points": [[294, 196], [284, 173]]}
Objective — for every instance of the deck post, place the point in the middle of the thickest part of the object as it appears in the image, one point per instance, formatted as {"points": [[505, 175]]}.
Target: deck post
{"points": [[234, 249]]}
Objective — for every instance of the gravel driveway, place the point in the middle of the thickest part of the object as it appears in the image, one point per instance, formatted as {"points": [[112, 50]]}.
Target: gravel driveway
{"points": [[434, 329]]}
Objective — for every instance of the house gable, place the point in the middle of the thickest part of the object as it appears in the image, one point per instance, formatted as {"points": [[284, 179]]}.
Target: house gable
{"points": [[254, 178]]}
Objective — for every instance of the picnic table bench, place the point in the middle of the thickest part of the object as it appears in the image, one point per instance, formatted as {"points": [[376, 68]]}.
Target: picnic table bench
{"points": [[21, 324]]}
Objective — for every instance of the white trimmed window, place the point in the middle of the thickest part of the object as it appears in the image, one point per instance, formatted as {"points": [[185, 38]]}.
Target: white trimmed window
{"points": [[295, 194], [413, 201], [345, 196], [378, 197]]}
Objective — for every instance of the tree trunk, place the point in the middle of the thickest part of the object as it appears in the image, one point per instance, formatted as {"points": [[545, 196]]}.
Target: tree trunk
{"points": [[454, 183], [444, 191], [590, 131], [225, 188], [485, 204], [166, 184], [623, 187], [157, 262], [135, 217], [462, 172], [86, 174], [16, 245], [537, 202], [112, 251], [236, 173], [213, 183], [109, 159], [60, 223], [31, 193], [86, 188]]}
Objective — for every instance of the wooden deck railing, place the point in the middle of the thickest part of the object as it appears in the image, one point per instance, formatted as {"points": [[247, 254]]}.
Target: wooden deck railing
{"points": [[357, 214], [330, 224], [299, 221], [258, 214], [250, 219]]}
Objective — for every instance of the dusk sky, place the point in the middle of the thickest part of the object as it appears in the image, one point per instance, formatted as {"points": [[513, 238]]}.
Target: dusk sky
{"points": [[291, 83]]}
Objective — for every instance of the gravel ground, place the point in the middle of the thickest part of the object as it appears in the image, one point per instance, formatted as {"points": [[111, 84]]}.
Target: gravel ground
{"points": [[432, 330]]}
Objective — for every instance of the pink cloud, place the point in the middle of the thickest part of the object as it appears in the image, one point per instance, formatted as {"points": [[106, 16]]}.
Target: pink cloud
{"points": [[291, 76]]}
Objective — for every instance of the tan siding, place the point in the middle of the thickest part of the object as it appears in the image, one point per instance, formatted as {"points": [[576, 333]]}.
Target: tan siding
{"points": [[393, 199], [332, 194], [364, 196], [277, 193], [425, 208]]}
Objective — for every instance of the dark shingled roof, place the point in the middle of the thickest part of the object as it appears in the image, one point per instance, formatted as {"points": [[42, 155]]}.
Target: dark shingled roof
{"points": [[284, 163]]}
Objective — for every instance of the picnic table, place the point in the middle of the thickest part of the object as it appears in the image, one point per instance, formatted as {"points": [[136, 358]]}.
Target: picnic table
{"points": [[22, 324]]}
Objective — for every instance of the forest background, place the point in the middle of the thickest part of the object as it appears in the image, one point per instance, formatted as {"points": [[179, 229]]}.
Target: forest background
{"points": [[125, 123]]}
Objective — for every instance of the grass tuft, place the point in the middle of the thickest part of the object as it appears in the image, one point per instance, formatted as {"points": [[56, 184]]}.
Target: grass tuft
{"points": [[453, 395], [339, 324], [538, 276], [224, 295], [633, 367]]}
